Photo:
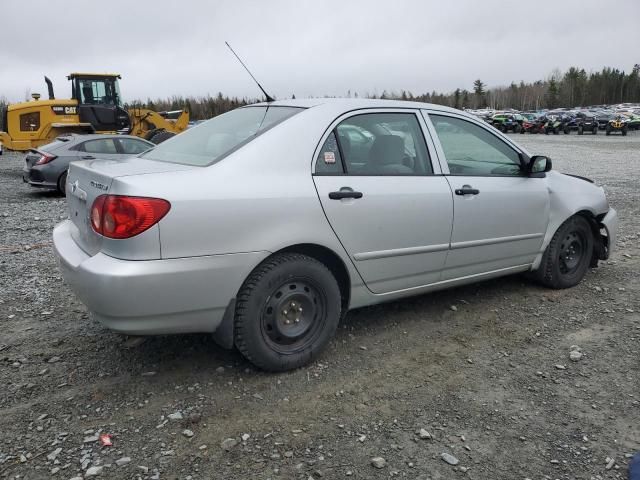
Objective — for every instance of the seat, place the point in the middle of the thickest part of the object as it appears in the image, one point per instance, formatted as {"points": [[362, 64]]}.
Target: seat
{"points": [[387, 155]]}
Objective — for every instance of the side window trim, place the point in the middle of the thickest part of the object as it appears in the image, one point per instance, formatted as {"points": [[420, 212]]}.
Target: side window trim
{"points": [[442, 159], [430, 145]]}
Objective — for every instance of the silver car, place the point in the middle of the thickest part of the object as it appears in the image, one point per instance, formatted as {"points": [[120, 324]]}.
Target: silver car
{"points": [[46, 166], [265, 225]]}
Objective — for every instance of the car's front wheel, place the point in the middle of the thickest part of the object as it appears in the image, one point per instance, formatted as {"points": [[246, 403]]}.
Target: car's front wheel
{"points": [[568, 255], [286, 312]]}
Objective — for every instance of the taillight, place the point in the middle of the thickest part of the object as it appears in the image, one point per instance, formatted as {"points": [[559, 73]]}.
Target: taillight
{"points": [[45, 158], [120, 216]]}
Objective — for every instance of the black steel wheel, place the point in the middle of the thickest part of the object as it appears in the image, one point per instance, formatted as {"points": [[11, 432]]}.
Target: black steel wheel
{"points": [[286, 312], [568, 255]]}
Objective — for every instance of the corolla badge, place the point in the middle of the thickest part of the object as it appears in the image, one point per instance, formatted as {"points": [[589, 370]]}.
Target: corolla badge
{"points": [[101, 186]]}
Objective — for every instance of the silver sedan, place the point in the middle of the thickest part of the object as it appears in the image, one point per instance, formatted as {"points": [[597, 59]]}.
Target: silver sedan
{"points": [[265, 225]]}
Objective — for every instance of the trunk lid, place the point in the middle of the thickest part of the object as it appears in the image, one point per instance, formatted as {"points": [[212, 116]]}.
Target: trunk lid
{"points": [[87, 180]]}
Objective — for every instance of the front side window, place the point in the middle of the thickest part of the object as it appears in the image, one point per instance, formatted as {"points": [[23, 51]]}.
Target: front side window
{"points": [[216, 138], [100, 146], [383, 144], [98, 92], [472, 150]]}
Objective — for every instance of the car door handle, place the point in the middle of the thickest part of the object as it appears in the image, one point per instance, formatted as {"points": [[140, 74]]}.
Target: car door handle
{"points": [[344, 194], [467, 191], [88, 157]]}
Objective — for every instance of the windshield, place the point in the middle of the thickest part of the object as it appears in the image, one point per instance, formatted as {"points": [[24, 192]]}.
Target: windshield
{"points": [[210, 141], [100, 91]]}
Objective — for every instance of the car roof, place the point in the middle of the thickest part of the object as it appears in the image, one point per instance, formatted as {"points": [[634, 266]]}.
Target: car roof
{"points": [[354, 104]]}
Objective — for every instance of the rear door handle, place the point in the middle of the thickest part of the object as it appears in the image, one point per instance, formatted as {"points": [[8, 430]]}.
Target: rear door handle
{"points": [[88, 157], [344, 194], [466, 190]]}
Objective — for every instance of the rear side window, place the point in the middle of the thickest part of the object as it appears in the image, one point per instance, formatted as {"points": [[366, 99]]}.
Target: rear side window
{"points": [[383, 144], [131, 146], [216, 138], [329, 160], [105, 145]]}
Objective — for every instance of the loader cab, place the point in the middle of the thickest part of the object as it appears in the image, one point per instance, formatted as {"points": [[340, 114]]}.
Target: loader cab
{"points": [[99, 101]]}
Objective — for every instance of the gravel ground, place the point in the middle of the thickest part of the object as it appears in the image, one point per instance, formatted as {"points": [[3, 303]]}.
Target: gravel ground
{"points": [[489, 382]]}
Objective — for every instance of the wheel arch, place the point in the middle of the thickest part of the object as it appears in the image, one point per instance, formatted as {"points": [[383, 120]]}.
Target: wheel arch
{"points": [[332, 261], [224, 334]]}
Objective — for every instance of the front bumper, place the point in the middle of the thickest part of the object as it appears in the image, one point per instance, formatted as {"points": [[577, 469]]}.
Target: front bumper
{"points": [[151, 297], [610, 223]]}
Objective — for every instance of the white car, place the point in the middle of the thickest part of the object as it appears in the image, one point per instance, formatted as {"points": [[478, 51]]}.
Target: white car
{"points": [[265, 225]]}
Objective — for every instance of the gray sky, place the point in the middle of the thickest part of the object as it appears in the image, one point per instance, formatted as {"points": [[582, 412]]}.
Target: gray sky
{"points": [[308, 48]]}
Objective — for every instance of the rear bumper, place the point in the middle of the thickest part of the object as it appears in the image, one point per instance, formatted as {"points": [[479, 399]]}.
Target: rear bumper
{"points": [[35, 178], [151, 297]]}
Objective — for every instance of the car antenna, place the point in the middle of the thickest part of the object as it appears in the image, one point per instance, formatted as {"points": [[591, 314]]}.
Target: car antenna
{"points": [[268, 97]]}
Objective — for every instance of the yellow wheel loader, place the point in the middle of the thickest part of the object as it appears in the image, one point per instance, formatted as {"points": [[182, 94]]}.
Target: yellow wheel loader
{"points": [[95, 107]]}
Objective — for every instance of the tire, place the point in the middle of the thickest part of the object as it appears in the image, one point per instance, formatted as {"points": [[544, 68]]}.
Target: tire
{"points": [[161, 136], [573, 241], [272, 329], [517, 129], [624, 131], [62, 184], [556, 131], [522, 131], [504, 129], [580, 131], [566, 130], [149, 135], [594, 131], [546, 131], [608, 130]]}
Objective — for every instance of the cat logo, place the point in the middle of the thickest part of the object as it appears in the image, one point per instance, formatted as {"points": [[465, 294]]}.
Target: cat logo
{"points": [[61, 110]]}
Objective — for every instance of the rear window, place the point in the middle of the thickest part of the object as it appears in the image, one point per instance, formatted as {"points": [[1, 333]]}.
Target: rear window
{"points": [[212, 140]]}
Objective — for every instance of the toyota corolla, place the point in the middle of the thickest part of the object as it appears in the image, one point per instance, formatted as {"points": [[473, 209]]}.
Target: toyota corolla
{"points": [[266, 224]]}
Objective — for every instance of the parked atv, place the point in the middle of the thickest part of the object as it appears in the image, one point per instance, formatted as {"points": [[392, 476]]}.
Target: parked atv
{"points": [[634, 122], [507, 122], [533, 125], [553, 125], [587, 123], [617, 124]]}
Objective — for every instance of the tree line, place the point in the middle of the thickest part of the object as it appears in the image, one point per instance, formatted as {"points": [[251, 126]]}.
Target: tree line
{"points": [[573, 88]]}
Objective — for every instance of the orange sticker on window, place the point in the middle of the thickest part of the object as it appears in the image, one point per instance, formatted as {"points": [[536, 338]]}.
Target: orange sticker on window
{"points": [[329, 157]]}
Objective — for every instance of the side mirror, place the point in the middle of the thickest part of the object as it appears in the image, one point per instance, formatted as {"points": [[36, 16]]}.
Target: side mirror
{"points": [[539, 165]]}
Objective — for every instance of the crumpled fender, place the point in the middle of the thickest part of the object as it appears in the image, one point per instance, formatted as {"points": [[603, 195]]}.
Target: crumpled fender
{"points": [[569, 195]]}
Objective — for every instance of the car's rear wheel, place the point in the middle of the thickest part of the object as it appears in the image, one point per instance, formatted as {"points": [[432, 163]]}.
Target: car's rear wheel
{"points": [[568, 255], [286, 312], [580, 131], [624, 130], [595, 130], [62, 184]]}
